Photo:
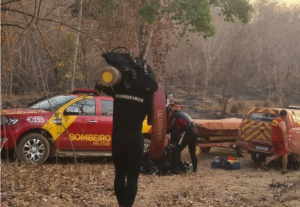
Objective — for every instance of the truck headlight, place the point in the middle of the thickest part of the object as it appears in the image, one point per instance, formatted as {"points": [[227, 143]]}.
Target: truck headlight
{"points": [[5, 120]]}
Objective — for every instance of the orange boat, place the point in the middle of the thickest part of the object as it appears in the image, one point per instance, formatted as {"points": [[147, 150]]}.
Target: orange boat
{"points": [[219, 133], [221, 127]]}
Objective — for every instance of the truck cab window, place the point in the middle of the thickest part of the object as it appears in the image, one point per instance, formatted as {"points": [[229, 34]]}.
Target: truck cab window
{"points": [[263, 117], [85, 106], [107, 107]]}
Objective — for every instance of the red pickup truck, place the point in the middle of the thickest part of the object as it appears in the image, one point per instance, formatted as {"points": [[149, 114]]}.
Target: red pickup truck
{"points": [[80, 122], [255, 133]]}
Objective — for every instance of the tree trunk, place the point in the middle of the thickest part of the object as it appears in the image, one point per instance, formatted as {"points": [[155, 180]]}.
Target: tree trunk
{"points": [[146, 43], [76, 46]]}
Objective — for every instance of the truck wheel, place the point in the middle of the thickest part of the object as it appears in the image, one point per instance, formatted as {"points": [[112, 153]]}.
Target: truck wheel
{"points": [[258, 157], [205, 149], [33, 147], [293, 162], [240, 151], [147, 143]]}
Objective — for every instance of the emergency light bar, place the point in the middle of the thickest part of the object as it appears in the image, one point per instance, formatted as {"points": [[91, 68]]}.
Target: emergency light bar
{"points": [[84, 90]]}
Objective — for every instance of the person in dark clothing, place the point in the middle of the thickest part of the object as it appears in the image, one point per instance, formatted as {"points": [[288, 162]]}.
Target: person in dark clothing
{"points": [[183, 133], [131, 105]]}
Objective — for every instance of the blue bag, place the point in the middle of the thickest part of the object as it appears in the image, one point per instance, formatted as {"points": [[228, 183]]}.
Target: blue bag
{"points": [[229, 165]]}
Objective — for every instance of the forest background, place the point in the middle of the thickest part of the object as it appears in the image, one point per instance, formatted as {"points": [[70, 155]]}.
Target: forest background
{"points": [[217, 56]]}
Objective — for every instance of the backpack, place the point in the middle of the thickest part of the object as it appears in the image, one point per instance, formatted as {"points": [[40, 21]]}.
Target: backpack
{"points": [[135, 71], [164, 165], [122, 61], [229, 163]]}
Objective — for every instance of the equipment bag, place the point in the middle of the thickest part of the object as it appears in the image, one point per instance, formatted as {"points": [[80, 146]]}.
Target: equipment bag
{"points": [[229, 164]]}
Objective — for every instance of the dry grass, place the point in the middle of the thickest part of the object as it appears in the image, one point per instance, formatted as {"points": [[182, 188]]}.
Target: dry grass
{"points": [[60, 185], [242, 106], [90, 183]]}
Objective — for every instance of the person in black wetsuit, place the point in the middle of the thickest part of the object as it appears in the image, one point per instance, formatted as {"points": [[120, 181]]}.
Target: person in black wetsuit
{"points": [[183, 133], [131, 105]]}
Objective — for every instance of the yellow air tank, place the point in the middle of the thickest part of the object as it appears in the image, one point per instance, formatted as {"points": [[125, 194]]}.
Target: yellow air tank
{"points": [[110, 76]]}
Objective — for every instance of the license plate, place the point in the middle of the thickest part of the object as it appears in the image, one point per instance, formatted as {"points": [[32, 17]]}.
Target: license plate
{"points": [[262, 148]]}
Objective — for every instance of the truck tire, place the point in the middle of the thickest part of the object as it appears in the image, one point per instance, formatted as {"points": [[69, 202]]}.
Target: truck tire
{"points": [[240, 151], [258, 157], [293, 162], [205, 149], [33, 147], [147, 143]]}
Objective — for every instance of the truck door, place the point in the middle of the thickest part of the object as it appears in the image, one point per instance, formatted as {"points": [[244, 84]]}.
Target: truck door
{"points": [[105, 125], [293, 132], [83, 130]]}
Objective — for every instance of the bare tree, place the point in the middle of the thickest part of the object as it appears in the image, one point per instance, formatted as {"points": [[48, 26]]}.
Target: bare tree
{"points": [[76, 45]]}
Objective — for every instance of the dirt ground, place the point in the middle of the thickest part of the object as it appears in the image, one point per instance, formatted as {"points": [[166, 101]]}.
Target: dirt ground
{"points": [[61, 183]]}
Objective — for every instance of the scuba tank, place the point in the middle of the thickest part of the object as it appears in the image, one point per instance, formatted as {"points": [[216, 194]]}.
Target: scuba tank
{"points": [[110, 76], [120, 67], [123, 67]]}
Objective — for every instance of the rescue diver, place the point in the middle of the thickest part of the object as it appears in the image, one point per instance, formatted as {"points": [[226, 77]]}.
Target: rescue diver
{"points": [[183, 133], [131, 105]]}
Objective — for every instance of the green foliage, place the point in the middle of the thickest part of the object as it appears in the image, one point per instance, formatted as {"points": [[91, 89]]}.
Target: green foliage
{"points": [[241, 9], [193, 15], [149, 12]]}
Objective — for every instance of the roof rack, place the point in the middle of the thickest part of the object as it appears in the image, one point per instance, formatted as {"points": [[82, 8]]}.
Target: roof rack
{"points": [[85, 91], [294, 107]]}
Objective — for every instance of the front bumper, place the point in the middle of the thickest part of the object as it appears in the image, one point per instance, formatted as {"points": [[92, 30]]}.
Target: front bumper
{"points": [[6, 138]]}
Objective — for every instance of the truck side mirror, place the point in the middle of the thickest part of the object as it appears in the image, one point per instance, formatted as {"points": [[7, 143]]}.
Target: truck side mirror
{"points": [[71, 111]]}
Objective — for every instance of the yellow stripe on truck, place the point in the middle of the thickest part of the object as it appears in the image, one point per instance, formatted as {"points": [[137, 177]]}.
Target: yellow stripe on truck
{"points": [[146, 127], [268, 134], [245, 127], [56, 129], [249, 112], [253, 134], [271, 111], [261, 110]]}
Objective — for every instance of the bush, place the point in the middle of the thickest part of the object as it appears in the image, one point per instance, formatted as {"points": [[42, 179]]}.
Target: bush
{"points": [[237, 106]]}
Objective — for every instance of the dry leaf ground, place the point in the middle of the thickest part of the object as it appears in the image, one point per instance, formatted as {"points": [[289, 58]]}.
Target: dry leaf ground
{"points": [[61, 183]]}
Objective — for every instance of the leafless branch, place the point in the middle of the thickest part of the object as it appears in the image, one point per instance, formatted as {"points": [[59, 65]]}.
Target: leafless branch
{"points": [[41, 34], [12, 25], [8, 2], [44, 19]]}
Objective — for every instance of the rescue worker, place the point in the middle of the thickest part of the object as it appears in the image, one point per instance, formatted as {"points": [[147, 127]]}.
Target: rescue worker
{"points": [[280, 142], [183, 133], [131, 105]]}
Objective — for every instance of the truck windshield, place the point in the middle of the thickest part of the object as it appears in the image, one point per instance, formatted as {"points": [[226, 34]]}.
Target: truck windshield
{"points": [[52, 104]]}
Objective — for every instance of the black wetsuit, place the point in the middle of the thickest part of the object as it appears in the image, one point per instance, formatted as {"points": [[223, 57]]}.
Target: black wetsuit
{"points": [[183, 133], [130, 109]]}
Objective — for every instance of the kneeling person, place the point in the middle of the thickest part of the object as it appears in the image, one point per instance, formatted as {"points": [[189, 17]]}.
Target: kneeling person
{"points": [[183, 133]]}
